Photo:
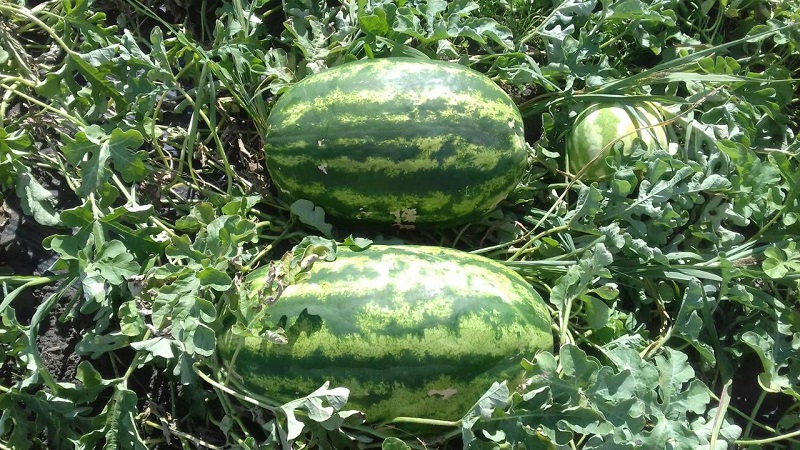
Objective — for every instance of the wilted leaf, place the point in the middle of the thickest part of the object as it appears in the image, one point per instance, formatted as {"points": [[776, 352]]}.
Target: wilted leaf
{"points": [[357, 243]]}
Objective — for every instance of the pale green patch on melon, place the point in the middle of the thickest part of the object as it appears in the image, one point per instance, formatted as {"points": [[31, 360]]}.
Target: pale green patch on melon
{"points": [[434, 201], [344, 164], [296, 145], [376, 275], [462, 104], [472, 156], [423, 401], [488, 193], [402, 204], [294, 185], [603, 126], [404, 207], [430, 145], [387, 117], [405, 218], [373, 317], [389, 167]]}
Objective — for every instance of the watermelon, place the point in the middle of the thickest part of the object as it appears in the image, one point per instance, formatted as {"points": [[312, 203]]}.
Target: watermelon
{"points": [[412, 331], [397, 141], [598, 126]]}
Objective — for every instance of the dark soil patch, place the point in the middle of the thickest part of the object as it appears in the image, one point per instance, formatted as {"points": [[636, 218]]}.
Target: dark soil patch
{"points": [[61, 330], [57, 340], [746, 391]]}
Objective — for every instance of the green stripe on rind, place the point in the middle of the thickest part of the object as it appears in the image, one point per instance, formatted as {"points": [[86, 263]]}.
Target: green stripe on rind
{"points": [[435, 139], [403, 209], [397, 81], [442, 398], [467, 160], [395, 127], [376, 190], [437, 196], [435, 142], [418, 319]]}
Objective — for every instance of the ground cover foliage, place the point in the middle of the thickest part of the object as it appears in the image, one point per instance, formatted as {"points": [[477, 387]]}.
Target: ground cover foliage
{"points": [[139, 221]]}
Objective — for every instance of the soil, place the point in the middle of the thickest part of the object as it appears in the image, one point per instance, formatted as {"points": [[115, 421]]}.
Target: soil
{"points": [[22, 253]]}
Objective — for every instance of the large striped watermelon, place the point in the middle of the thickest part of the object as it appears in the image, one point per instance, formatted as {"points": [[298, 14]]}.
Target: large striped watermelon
{"points": [[410, 330], [597, 127], [397, 141]]}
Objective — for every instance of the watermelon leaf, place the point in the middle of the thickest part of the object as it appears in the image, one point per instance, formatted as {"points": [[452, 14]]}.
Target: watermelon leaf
{"points": [[496, 398], [117, 423], [610, 405], [311, 215], [393, 443], [781, 261], [319, 406], [35, 199], [357, 243], [93, 149]]}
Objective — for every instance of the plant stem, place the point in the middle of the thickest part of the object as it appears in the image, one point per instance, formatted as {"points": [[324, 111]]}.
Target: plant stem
{"points": [[171, 430], [140, 354], [564, 322], [743, 415], [227, 390], [28, 282], [530, 241], [724, 402], [651, 349], [753, 413], [25, 12], [75, 120], [418, 420], [263, 252], [767, 440]]}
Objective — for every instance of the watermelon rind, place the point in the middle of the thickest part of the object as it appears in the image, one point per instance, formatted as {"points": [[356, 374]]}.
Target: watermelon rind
{"points": [[411, 331], [602, 126], [397, 141]]}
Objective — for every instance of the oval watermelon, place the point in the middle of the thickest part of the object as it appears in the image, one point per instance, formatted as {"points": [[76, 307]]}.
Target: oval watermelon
{"points": [[601, 124], [397, 141], [410, 330]]}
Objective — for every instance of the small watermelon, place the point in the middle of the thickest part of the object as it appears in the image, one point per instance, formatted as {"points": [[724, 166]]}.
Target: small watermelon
{"points": [[397, 141], [412, 331], [597, 127]]}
